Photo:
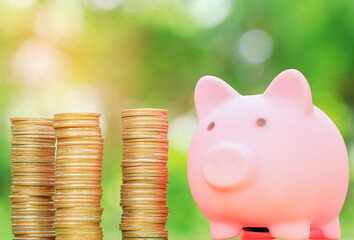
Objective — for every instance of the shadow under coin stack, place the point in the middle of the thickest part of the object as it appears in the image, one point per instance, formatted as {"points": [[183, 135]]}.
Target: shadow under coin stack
{"points": [[32, 170], [78, 176], [145, 174]]}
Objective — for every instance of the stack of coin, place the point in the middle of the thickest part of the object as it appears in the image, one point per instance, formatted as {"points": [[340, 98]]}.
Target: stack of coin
{"points": [[32, 170], [78, 176], [145, 174]]}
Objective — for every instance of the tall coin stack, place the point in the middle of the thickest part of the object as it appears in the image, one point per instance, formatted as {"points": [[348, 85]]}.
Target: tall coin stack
{"points": [[78, 176], [32, 170], [145, 174]]}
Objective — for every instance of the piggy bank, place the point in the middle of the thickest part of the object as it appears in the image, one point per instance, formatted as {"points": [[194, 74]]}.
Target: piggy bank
{"points": [[267, 166]]}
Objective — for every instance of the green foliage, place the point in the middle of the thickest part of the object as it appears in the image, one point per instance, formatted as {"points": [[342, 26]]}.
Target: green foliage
{"points": [[151, 54]]}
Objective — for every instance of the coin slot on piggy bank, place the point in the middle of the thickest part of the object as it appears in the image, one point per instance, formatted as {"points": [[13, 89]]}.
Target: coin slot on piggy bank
{"points": [[267, 166]]}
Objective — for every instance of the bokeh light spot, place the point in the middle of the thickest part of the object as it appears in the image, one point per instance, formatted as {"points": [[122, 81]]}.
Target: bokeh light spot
{"points": [[206, 13], [107, 4], [351, 155], [181, 131], [36, 62], [22, 3], [56, 21], [256, 46], [210, 13]]}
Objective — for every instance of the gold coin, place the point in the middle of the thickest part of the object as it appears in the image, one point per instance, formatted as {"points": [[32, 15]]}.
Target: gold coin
{"points": [[144, 173], [34, 119], [32, 170], [75, 114], [78, 176], [130, 112], [147, 209]]}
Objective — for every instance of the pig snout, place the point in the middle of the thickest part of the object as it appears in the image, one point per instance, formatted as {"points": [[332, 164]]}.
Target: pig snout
{"points": [[228, 165]]}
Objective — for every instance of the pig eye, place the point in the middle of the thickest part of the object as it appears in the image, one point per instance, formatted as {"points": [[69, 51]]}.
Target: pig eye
{"points": [[211, 126], [261, 122]]}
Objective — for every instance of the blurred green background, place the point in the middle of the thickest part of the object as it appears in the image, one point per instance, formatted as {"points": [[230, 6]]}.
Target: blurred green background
{"points": [[108, 55]]}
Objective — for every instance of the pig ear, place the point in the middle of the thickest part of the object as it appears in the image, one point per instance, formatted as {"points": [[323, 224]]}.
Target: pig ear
{"points": [[210, 92], [292, 85]]}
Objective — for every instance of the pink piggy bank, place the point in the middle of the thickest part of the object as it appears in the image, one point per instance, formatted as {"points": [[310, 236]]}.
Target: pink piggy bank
{"points": [[267, 166]]}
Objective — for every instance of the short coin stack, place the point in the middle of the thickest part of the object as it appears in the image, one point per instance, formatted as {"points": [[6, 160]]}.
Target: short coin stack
{"points": [[145, 174], [78, 176], [32, 169]]}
